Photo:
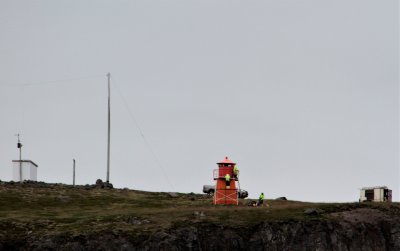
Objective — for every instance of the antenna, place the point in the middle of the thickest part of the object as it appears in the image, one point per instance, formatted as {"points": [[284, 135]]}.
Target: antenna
{"points": [[109, 125], [19, 146]]}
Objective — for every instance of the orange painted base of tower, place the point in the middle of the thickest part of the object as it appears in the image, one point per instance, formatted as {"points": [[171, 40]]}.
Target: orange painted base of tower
{"points": [[226, 197]]}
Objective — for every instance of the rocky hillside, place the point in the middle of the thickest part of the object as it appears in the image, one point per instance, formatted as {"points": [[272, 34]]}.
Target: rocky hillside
{"points": [[39, 216]]}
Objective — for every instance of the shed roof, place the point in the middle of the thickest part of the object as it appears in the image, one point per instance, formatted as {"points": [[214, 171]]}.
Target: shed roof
{"points": [[28, 161], [376, 187]]}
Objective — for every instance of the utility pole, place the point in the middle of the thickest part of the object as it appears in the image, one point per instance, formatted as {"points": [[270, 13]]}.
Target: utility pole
{"points": [[19, 146], [109, 125], [73, 173]]}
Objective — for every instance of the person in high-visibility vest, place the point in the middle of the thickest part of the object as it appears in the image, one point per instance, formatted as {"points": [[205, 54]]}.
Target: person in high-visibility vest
{"points": [[235, 171], [260, 199], [228, 181]]}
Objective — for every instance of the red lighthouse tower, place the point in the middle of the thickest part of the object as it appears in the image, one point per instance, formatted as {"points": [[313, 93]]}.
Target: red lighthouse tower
{"points": [[224, 194]]}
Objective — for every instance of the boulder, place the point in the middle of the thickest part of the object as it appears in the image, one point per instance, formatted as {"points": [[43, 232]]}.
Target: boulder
{"points": [[99, 183], [313, 211]]}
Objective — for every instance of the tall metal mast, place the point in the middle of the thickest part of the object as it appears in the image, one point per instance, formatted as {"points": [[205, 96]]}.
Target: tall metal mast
{"points": [[109, 125]]}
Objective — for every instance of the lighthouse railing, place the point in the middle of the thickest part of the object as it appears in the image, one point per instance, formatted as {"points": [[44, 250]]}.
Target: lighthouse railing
{"points": [[220, 173], [216, 174]]}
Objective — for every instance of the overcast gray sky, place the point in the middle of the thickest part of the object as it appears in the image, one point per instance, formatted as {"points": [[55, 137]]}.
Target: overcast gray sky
{"points": [[302, 94]]}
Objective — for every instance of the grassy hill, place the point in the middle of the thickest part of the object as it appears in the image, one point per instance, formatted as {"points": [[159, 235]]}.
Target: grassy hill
{"points": [[40, 209]]}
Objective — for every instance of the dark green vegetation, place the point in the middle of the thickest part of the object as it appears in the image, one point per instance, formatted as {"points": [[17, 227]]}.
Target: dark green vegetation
{"points": [[40, 209]]}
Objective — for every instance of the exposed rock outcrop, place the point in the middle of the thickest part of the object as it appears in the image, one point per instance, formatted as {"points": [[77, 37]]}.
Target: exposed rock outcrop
{"points": [[360, 229]]}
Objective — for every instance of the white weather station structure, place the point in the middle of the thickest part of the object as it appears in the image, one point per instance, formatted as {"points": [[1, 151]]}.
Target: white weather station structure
{"points": [[23, 169]]}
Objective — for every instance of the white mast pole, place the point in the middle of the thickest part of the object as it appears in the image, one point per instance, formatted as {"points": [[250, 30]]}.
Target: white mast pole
{"points": [[19, 146], [109, 125], [73, 172]]}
